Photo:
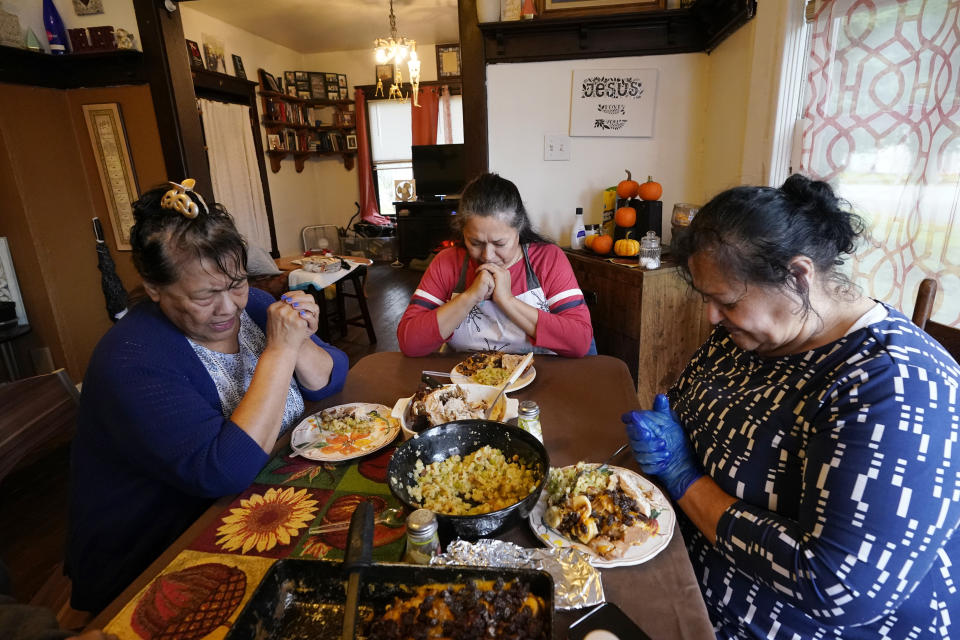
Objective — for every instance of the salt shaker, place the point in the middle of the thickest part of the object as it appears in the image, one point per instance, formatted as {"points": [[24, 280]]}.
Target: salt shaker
{"points": [[423, 541], [528, 419], [650, 251]]}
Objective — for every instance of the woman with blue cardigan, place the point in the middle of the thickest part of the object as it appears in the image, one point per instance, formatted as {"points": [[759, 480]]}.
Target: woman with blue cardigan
{"points": [[185, 397]]}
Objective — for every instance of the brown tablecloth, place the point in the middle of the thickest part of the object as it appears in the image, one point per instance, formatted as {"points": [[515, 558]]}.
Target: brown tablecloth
{"points": [[581, 401]]}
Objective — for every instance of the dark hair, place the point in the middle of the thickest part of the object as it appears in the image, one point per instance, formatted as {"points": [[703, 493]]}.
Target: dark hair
{"points": [[162, 239], [754, 233], [489, 195]]}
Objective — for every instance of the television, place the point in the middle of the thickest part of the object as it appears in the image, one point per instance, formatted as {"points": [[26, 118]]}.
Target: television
{"points": [[439, 170]]}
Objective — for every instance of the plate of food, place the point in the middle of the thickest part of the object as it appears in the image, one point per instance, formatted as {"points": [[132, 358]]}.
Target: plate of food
{"points": [[492, 368], [614, 515], [344, 432], [432, 406]]}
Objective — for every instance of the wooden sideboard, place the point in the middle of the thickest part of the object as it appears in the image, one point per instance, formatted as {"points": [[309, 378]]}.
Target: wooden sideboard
{"points": [[652, 320]]}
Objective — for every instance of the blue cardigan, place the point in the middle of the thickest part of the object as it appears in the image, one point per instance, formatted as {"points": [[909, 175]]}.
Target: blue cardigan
{"points": [[152, 449]]}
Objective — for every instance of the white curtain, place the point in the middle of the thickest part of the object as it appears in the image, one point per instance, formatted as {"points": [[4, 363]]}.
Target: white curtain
{"points": [[234, 170]]}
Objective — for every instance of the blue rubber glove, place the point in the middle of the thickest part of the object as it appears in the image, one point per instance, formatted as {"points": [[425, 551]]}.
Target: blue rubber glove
{"points": [[661, 447]]}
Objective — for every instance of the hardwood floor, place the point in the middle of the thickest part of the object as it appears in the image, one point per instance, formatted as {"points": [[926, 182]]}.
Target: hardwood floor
{"points": [[33, 500]]}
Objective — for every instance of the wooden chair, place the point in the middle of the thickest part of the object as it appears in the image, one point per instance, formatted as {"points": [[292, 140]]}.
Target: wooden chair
{"points": [[39, 413], [946, 335]]}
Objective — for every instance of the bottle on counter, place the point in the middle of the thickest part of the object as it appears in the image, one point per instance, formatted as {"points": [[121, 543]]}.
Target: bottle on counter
{"points": [[579, 232], [56, 33], [423, 540], [528, 418], [650, 251], [593, 230]]}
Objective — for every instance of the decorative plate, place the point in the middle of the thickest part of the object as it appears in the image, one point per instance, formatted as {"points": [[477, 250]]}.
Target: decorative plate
{"points": [[458, 378], [316, 439], [638, 553]]}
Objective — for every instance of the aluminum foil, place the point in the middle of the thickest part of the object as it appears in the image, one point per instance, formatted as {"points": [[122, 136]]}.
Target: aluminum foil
{"points": [[575, 582]]}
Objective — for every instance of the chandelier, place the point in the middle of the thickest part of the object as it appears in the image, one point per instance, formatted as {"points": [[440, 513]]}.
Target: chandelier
{"points": [[395, 50]]}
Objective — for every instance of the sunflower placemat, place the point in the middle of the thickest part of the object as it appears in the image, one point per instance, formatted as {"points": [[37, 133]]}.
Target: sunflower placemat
{"points": [[198, 595]]}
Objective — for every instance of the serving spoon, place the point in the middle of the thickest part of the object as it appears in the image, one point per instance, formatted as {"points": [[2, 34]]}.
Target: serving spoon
{"points": [[509, 381]]}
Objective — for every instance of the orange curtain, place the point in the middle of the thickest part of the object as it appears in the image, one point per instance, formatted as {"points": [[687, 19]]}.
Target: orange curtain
{"points": [[368, 194], [423, 119]]}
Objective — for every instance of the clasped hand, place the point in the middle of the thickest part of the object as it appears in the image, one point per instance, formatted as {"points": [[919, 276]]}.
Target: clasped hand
{"points": [[293, 319], [661, 447]]}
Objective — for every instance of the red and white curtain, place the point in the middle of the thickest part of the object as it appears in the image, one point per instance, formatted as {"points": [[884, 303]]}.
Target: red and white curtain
{"points": [[882, 124]]}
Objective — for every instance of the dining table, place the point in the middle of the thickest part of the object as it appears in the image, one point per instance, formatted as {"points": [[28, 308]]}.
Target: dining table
{"points": [[218, 563]]}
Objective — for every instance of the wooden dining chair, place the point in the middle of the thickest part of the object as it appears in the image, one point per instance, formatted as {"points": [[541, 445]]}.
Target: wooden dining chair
{"points": [[946, 335]]}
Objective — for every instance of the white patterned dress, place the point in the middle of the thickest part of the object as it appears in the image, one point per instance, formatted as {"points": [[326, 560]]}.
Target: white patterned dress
{"points": [[846, 463]]}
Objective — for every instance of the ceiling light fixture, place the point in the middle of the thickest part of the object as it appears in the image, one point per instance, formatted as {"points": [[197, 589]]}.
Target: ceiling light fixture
{"points": [[394, 50]]}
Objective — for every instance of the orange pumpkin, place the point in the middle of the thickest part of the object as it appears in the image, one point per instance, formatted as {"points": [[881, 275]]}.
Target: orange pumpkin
{"points": [[602, 245], [650, 190], [626, 246], [625, 217], [588, 241], [627, 188]]}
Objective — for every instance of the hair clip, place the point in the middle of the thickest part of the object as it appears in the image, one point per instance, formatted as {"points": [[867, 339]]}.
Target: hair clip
{"points": [[178, 200]]}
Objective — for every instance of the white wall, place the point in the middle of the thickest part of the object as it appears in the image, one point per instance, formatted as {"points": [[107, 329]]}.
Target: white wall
{"points": [[116, 13], [527, 101]]}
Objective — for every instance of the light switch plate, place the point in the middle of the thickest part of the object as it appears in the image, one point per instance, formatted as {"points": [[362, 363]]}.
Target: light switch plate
{"points": [[556, 146]]}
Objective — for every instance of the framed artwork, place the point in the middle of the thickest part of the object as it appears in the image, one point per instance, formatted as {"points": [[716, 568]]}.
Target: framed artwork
{"points": [[196, 58], [345, 119], [333, 94], [342, 80], [613, 102], [385, 74], [238, 69], [110, 148], [332, 78], [213, 53], [574, 8], [343, 93], [300, 76], [269, 82], [87, 7], [303, 94], [273, 142], [351, 141], [448, 61], [289, 79], [292, 90], [9, 288], [318, 88]]}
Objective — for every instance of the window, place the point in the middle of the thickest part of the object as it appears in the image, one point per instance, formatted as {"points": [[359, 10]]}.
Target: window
{"points": [[881, 118]]}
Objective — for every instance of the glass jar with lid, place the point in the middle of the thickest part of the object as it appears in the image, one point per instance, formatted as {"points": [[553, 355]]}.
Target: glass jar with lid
{"points": [[683, 214], [650, 250]]}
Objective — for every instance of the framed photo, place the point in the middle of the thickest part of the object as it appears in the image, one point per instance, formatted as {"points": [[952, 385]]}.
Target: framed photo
{"points": [[87, 7], [289, 79], [301, 76], [196, 58], [9, 287], [110, 148], [385, 74], [575, 8], [332, 78], [303, 94], [318, 88], [343, 93], [346, 119], [333, 95], [238, 69], [213, 53], [342, 80], [273, 142], [292, 90], [448, 61], [269, 82], [351, 141]]}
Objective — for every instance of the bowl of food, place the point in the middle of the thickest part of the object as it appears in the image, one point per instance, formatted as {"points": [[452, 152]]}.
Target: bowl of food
{"points": [[478, 476], [433, 406]]}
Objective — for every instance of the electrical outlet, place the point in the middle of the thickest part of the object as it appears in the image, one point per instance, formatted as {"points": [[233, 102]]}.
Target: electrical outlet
{"points": [[556, 147]]}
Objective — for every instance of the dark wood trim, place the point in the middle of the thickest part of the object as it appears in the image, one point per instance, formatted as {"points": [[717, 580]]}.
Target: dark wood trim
{"points": [[220, 86], [721, 18], [370, 89], [473, 75], [37, 69], [167, 68]]}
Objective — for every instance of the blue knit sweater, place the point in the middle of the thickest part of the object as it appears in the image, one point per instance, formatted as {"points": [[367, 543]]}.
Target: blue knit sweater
{"points": [[152, 449]]}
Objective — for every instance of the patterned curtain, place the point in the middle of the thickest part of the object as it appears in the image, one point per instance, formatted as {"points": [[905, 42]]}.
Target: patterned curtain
{"points": [[882, 124]]}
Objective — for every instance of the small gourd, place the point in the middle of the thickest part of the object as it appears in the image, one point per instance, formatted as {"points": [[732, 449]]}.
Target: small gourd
{"points": [[602, 244], [625, 217], [627, 188], [650, 190], [627, 246]]}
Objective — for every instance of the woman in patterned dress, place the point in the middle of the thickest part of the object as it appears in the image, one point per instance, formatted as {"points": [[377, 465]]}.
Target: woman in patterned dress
{"points": [[813, 439], [185, 397]]}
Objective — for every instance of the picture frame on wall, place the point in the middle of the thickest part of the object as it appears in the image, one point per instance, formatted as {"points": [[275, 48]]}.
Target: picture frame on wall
{"points": [[351, 139], [342, 80], [385, 74], [318, 87], [292, 90], [238, 69], [448, 60], [289, 79], [269, 82], [346, 119], [333, 95], [332, 79], [273, 142], [196, 58], [303, 94], [213, 54], [582, 8], [343, 94]]}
